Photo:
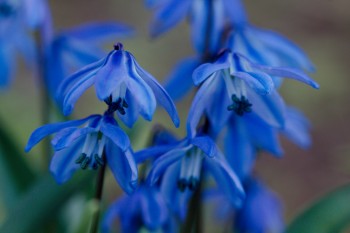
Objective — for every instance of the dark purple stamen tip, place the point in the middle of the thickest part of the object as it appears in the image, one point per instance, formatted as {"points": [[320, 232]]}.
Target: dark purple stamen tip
{"points": [[118, 46]]}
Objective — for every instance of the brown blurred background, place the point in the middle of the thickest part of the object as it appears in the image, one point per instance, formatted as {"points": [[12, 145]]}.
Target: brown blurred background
{"points": [[320, 27]]}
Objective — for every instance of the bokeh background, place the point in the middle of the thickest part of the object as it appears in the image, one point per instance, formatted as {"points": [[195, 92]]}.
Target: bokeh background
{"points": [[320, 27]]}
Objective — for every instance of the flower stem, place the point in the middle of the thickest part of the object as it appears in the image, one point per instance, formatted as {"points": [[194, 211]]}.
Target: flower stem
{"points": [[193, 222], [98, 197]]}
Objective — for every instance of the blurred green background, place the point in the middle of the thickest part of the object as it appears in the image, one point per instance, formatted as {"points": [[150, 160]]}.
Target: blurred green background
{"points": [[320, 27]]}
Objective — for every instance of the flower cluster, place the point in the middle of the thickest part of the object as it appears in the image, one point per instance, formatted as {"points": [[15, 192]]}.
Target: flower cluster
{"points": [[236, 113], [128, 90]]}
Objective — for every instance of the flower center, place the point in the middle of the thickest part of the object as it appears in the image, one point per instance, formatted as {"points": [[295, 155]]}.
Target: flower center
{"points": [[240, 105], [190, 170], [116, 101], [236, 90], [91, 154]]}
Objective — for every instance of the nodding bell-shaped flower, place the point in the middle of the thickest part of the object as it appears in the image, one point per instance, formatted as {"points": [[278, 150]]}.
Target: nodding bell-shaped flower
{"points": [[122, 83], [100, 140], [144, 209], [189, 157], [233, 83]]}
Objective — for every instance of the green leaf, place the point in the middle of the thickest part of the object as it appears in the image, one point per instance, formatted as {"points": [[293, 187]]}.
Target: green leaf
{"points": [[330, 214], [15, 174], [42, 203]]}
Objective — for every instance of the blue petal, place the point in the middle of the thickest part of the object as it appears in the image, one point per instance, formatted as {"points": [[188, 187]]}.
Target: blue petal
{"points": [[7, 65], [152, 152], [143, 95], [111, 130], [177, 201], [270, 108], [179, 82], [168, 15], [153, 208], [123, 167], [258, 81], [163, 162], [162, 96], [45, 130], [227, 180], [63, 164], [202, 99], [75, 85], [297, 128], [66, 136], [236, 12], [282, 72], [199, 21], [110, 76], [205, 70], [263, 135], [97, 31], [289, 53], [239, 149], [206, 144], [131, 112]]}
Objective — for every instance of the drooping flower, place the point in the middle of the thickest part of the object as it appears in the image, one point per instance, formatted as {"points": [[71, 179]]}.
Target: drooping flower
{"points": [[261, 210], [186, 159], [144, 209], [263, 46], [76, 47], [14, 39], [201, 13], [121, 82], [233, 83], [246, 136], [100, 140]]}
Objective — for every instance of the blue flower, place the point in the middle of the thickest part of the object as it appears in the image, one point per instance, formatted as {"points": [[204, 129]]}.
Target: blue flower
{"points": [[145, 208], [77, 47], [14, 38], [186, 159], [261, 210], [233, 83], [248, 135], [264, 47], [121, 82], [202, 13], [85, 148]]}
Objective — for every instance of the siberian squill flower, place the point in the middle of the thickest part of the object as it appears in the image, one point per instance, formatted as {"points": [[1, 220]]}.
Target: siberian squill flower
{"points": [[201, 13], [144, 209], [233, 83], [122, 83], [186, 159], [262, 46], [76, 47], [99, 140], [261, 210], [246, 136], [14, 38]]}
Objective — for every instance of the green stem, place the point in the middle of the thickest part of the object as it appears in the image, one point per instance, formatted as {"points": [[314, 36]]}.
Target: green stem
{"points": [[98, 197]]}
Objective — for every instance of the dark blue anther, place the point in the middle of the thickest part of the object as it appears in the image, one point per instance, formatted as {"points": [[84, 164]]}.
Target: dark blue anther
{"points": [[182, 184], [240, 105]]}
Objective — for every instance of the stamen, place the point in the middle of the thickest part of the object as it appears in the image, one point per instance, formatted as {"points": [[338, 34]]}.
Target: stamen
{"points": [[182, 184], [85, 163], [81, 158], [240, 106]]}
